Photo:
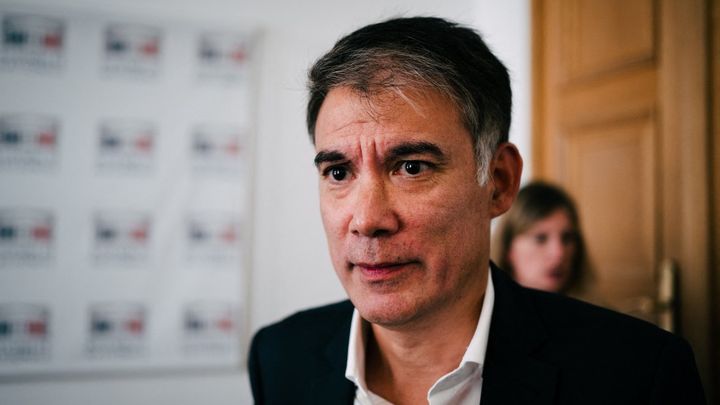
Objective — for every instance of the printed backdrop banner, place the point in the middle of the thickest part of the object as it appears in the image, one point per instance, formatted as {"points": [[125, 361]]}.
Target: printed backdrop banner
{"points": [[125, 163]]}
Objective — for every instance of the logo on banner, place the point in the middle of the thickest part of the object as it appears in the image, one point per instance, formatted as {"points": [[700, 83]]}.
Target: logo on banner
{"points": [[24, 332], [26, 237], [28, 141], [126, 145], [116, 329], [33, 42], [223, 56], [132, 50], [214, 239], [210, 327], [121, 238], [218, 150]]}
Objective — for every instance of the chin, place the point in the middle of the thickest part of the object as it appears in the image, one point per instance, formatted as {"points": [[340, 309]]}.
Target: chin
{"points": [[389, 310], [553, 287]]}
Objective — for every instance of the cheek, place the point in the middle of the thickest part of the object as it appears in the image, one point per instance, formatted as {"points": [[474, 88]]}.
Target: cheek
{"points": [[512, 256], [523, 256], [332, 212], [334, 222], [328, 220], [447, 233], [448, 212], [570, 252]]}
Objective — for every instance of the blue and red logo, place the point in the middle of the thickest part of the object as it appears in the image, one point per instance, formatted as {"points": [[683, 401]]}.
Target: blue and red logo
{"points": [[210, 319], [33, 33], [133, 50], [132, 41], [214, 231], [28, 141], [126, 145], [223, 55], [116, 328], [117, 320], [210, 326], [214, 238], [121, 237], [34, 42], [26, 236], [23, 322], [24, 331], [218, 149], [223, 48]]}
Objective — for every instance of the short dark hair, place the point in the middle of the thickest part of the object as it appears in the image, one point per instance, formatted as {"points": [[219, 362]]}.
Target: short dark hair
{"points": [[422, 52]]}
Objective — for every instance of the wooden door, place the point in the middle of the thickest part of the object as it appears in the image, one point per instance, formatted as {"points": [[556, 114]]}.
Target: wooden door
{"points": [[621, 101], [715, 195]]}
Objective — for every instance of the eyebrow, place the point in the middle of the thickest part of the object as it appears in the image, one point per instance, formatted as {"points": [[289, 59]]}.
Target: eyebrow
{"points": [[396, 152], [328, 156], [416, 148]]}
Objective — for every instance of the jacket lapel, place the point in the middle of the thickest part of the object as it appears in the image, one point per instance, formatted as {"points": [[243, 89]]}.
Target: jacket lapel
{"points": [[511, 375], [332, 387]]}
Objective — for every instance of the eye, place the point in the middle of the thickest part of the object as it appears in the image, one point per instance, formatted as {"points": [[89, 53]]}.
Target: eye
{"points": [[541, 238], [413, 167], [338, 173]]}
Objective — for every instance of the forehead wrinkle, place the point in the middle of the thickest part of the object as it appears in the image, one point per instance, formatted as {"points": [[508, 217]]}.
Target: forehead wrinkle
{"points": [[370, 123], [368, 145], [385, 105], [345, 125], [359, 139]]}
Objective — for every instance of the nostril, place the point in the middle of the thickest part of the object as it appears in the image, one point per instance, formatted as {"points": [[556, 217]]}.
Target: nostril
{"points": [[380, 232], [377, 233]]}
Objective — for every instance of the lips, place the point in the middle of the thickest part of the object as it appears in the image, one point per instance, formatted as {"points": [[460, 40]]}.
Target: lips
{"points": [[557, 276], [375, 272]]}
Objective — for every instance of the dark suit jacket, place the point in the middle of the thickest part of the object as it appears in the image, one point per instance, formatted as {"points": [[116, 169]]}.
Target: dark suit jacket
{"points": [[543, 349]]}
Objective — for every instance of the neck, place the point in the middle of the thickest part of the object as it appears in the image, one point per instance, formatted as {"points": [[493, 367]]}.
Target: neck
{"points": [[418, 354]]}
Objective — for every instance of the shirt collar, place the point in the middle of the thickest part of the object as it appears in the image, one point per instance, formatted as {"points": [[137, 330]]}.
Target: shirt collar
{"points": [[477, 348], [355, 369], [475, 353]]}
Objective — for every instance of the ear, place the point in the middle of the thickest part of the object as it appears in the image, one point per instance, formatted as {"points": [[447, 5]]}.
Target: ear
{"points": [[505, 170]]}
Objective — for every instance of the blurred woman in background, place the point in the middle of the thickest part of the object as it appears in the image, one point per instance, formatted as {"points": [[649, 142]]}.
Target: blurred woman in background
{"points": [[539, 241]]}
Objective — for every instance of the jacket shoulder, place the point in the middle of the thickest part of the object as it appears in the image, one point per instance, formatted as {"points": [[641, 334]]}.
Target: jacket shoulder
{"points": [[565, 314], [587, 347], [561, 316], [294, 353]]}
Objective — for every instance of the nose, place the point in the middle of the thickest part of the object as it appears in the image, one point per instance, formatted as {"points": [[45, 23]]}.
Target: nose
{"points": [[373, 213], [556, 250]]}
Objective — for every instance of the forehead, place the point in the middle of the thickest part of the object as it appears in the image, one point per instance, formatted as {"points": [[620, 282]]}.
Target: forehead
{"points": [[558, 218], [399, 113]]}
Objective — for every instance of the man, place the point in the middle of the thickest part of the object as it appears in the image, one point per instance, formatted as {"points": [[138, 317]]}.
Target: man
{"points": [[409, 119]]}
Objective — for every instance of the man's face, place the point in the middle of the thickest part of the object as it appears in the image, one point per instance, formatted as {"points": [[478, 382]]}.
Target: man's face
{"points": [[406, 220]]}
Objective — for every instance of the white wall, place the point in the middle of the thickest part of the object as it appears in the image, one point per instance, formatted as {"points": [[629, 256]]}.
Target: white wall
{"points": [[291, 267], [506, 27]]}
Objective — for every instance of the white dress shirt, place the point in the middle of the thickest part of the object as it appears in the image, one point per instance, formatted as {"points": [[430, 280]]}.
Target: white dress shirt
{"points": [[460, 387]]}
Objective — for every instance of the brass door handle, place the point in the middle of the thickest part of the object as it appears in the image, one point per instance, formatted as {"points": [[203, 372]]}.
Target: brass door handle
{"points": [[667, 299]]}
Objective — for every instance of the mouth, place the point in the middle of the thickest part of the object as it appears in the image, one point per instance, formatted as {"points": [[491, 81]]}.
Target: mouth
{"points": [[381, 271], [556, 274]]}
